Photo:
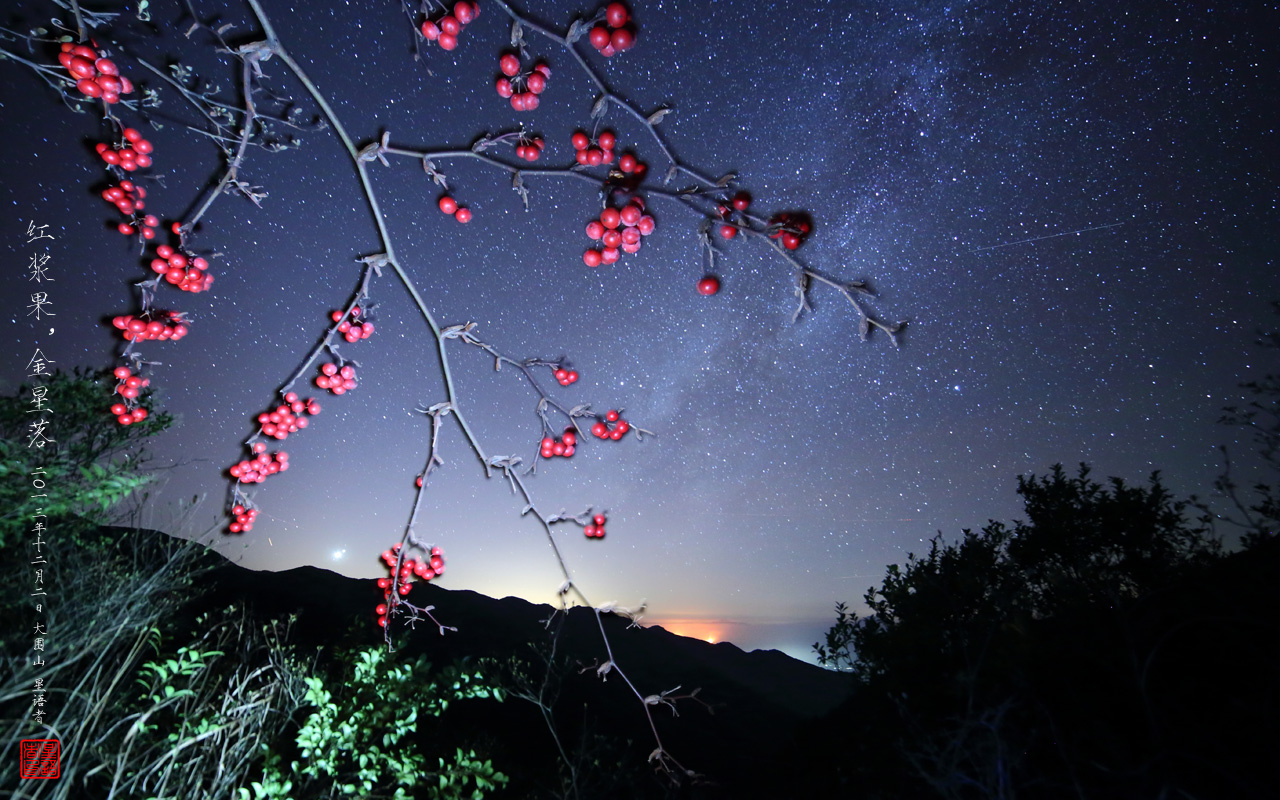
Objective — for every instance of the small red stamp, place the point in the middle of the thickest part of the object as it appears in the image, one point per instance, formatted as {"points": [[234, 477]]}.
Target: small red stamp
{"points": [[39, 758]]}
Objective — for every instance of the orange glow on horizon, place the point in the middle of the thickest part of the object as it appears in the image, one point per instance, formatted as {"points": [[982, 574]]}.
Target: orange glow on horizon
{"points": [[710, 631]]}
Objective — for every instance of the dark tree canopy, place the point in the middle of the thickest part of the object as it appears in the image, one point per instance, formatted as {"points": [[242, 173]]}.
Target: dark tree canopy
{"points": [[1102, 647]]}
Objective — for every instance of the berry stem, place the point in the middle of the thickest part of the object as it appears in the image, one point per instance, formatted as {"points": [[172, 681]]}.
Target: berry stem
{"points": [[275, 47]]}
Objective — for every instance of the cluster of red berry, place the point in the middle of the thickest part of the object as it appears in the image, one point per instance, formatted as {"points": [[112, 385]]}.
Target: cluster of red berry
{"points": [[257, 469], [125, 416], [595, 528], [129, 198], [635, 224], [522, 87], [564, 446], [566, 376], [244, 519], [351, 330], [740, 202], [618, 36], [163, 325], [790, 228], [287, 417], [133, 155], [530, 149], [613, 426], [129, 386], [450, 206], [602, 153], [188, 273], [336, 380], [431, 567], [95, 77], [445, 30]]}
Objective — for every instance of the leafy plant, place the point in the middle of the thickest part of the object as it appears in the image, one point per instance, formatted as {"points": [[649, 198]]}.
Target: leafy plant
{"points": [[357, 744], [92, 465]]}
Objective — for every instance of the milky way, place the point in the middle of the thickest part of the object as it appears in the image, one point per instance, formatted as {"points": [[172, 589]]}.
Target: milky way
{"points": [[1069, 205]]}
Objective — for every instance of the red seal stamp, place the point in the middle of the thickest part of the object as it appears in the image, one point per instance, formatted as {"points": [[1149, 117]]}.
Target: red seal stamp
{"points": [[39, 758]]}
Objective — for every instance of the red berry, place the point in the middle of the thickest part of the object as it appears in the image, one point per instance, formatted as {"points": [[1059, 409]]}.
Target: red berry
{"points": [[80, 68], [591, 258], [616, 15], [463, 215], [607, 140], [610, 218], [464, 11], [599, 520], [448, 41], [622, 39], [728, 231], [448, 205], [741, 200], [594, 229], [509, 65], [611, 416], [430, 30], [536, 82], [599, 430], [709, 285], [504, 87], [599, 37], [580, 141], [449, 25]]}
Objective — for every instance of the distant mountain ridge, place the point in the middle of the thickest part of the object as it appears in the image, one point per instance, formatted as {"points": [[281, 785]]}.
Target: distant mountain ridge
{"points": [[757, 699]]}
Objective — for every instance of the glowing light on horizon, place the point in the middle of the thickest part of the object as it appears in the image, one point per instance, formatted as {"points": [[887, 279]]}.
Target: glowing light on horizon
{"points": [[708, 631]]}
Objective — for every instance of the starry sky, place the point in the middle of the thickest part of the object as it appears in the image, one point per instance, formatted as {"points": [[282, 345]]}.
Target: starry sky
{"points": [[1071, 204]]}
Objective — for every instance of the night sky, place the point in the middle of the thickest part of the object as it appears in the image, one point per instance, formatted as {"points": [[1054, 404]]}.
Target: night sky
{"points": [[1073, 206]]}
